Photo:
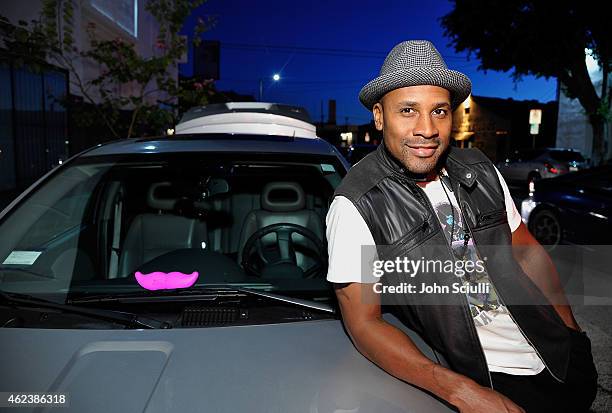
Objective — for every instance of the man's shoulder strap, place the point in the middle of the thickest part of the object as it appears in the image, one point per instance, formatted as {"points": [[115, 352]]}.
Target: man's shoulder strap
{"points": [[362, 177], [468, 156]]}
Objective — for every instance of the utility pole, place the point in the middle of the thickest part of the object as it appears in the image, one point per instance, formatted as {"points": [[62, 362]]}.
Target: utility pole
{"points": [[260, 89], [321, 111], [275, 78]]}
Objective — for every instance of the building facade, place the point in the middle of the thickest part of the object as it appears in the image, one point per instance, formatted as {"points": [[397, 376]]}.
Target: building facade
{"points": [[500, 126], [35, 128]]}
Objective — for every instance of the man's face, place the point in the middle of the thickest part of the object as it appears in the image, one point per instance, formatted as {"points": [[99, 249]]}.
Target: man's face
{"points": [[416, 123]]}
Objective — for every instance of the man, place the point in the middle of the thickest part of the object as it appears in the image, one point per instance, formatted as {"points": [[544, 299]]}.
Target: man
{"points": [[512, 347]]}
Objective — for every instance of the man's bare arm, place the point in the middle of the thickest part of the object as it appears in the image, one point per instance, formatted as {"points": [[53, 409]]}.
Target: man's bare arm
{"points": [[536, 263], [393, 351]]}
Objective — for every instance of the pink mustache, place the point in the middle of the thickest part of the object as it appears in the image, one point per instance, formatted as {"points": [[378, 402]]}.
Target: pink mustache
{"points": [[161, 281]]}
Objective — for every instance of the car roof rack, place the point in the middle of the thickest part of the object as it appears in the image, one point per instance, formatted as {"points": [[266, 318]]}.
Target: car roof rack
{"points": [[251, 118], [295, 112]]}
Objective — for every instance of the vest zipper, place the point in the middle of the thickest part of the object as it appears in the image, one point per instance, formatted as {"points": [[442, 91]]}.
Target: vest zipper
{"points": [[466, 306], [407, 237], [490, 216], [499, 294]]}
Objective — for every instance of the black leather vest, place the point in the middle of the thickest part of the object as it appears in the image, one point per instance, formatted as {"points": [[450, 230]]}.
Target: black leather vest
{"points": [[403, 223]]}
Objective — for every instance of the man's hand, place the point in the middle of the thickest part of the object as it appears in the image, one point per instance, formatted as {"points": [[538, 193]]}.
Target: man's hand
{"points": [[473, 398], [394, 352]]}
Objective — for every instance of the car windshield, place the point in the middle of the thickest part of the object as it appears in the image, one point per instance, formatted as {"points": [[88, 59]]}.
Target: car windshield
{"points": [[99, 223], [566, 156]]}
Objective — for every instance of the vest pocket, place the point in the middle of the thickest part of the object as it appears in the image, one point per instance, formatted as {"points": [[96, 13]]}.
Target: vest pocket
{"points": [[409, 240], [491, 219]]}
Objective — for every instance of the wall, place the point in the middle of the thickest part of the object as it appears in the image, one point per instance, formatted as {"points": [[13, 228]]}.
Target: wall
{"points": [[85, 13], [34, 127], [501, 126], [573, 127]]}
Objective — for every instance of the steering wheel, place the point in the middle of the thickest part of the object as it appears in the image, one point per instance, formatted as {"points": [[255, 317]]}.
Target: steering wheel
{"points": [[285, 253]]}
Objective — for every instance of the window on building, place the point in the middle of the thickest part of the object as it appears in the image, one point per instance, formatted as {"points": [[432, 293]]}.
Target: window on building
{"points": [[123, 12]]}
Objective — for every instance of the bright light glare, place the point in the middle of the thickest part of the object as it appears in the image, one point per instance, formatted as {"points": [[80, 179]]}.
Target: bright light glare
{"points": [[527, 206]]}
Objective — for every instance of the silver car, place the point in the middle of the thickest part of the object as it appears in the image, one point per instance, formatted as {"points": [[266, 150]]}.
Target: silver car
{"points": [[530, 165], [184, 273]]}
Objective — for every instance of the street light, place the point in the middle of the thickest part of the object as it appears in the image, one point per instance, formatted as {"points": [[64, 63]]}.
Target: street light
{"points": [[275, 77]]}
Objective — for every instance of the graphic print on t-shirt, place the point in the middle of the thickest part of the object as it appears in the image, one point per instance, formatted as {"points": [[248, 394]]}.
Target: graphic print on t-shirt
{"points": [[483, 306]]}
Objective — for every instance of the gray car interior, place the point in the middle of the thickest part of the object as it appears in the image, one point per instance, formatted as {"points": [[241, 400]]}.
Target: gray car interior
{"points": [[159, 229], [282, 202], [151, 235]]}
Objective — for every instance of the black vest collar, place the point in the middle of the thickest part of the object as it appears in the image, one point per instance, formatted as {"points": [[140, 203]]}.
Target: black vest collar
{"points": [[456, 169]]}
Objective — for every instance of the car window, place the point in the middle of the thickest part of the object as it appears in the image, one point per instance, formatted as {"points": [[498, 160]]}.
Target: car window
{"points": [[99, 221], [523, 155], [527, 154], [599, 180], [566, 156], [57, 219]]}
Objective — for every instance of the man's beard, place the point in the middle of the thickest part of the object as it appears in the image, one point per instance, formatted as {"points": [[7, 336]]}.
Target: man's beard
{"points": [[422, 166]]}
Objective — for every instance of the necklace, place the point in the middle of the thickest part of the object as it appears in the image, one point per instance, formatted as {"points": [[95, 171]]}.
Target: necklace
{"points": [[466, 234]]}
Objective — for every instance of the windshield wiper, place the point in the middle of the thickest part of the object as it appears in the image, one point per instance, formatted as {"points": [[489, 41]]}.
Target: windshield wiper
{"points": [[291, 300], [127, 319], [203, 292]]}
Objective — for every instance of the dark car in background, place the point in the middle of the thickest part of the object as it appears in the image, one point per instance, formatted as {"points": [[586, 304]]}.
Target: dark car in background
{"points": [[575, 208], [356, 152], [529, 165]]}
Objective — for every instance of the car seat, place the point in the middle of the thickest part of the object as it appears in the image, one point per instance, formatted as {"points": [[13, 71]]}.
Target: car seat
{"points": [[283, 202], [151, 235]]}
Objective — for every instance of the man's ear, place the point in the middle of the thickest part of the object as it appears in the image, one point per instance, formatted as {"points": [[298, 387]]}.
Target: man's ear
{"points": [[377, 111]]}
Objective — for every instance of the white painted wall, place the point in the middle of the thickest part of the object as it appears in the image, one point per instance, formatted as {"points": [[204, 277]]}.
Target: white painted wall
{"points": [[106, 28], [573, 127]]}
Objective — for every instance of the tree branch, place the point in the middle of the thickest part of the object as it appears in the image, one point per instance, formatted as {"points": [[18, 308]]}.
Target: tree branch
{"points": [[66, 62]]}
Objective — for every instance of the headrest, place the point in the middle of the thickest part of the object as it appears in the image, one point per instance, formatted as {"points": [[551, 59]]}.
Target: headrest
{"points": [[159, 197], [283, 197]]}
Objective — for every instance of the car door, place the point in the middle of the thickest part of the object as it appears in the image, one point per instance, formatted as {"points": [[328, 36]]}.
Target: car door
{"points": [[594, 225]]}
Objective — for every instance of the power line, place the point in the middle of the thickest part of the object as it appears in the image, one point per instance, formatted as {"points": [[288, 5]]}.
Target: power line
{"points": [[319, 50], [300, 49], [300, 82], [318, 89], [361, 118]]}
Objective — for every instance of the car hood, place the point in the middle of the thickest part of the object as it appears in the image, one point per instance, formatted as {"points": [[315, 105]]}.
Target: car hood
{"points": [[293, 367]]}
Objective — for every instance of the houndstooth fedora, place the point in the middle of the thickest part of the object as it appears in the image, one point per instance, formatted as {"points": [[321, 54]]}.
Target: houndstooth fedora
{"points": [[412, 63]]}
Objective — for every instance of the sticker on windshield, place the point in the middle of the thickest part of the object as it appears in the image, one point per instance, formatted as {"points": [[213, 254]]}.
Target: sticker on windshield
{"points": [[22, 258], [325, 167], [159, 280]]}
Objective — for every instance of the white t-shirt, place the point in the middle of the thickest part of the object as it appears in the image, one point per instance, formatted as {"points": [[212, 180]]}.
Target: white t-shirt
{"points": [[505, 347]]}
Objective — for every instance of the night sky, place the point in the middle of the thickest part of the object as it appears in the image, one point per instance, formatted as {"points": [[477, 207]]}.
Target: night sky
{"points": [[330, 49]]}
